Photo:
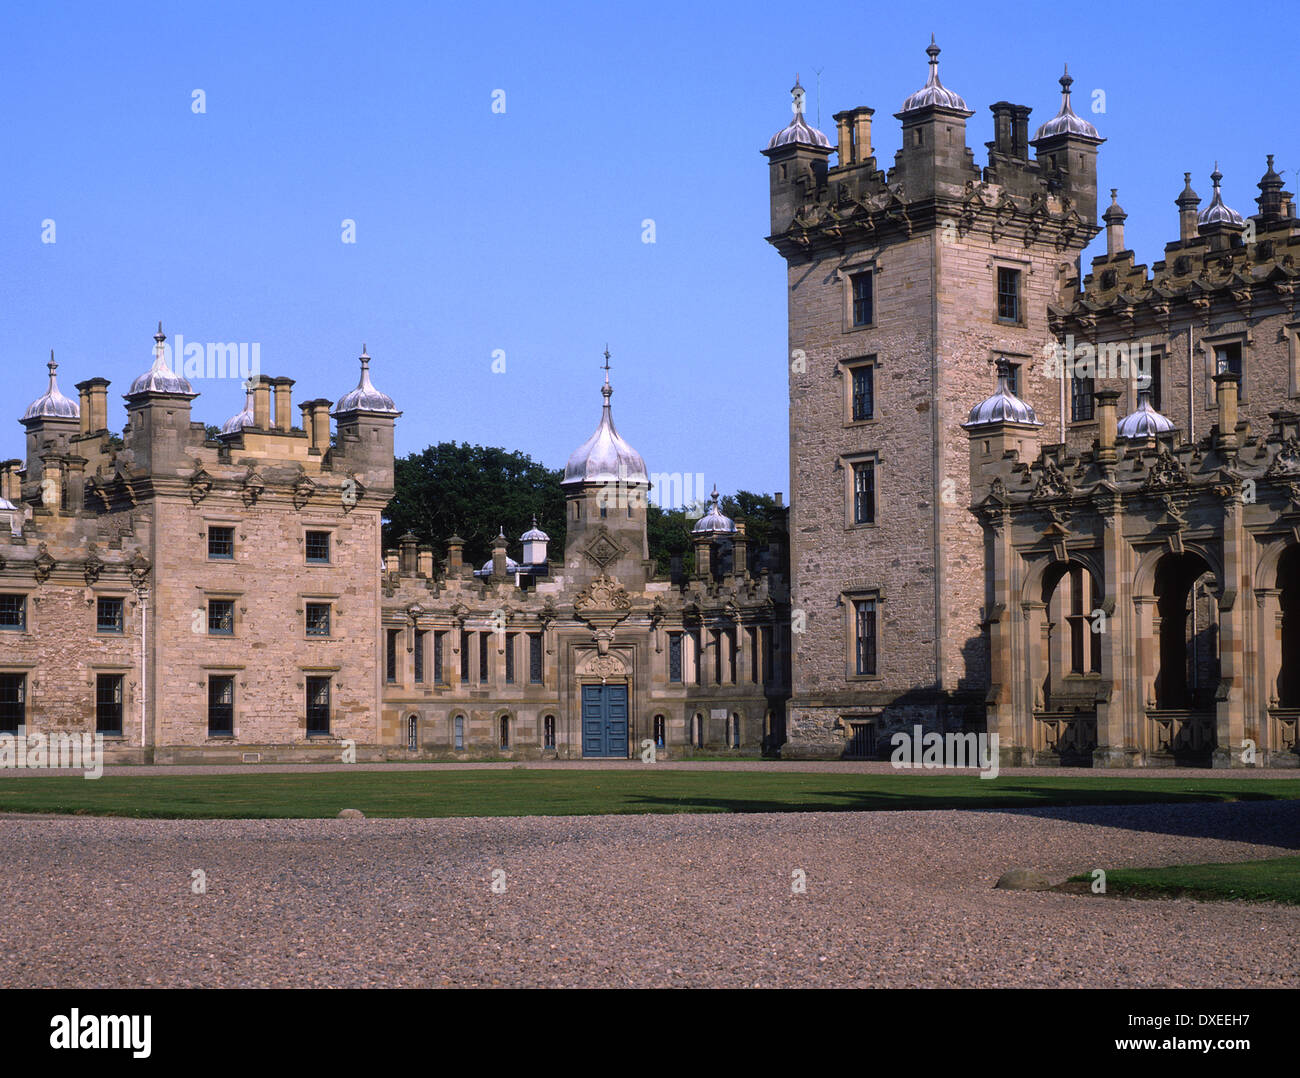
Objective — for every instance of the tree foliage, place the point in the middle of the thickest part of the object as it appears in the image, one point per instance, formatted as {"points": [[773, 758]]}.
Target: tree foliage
{"points": [[471, 491]]}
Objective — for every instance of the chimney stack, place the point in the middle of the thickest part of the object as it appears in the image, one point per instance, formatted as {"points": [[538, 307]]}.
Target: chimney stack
{"points": [[1225, 395], [1107, 402], [262, 402], [455, 555], [283, 403]]}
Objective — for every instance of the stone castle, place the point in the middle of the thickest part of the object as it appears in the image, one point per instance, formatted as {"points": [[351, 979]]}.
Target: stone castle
{"points": [[1093, 589], [1062, 508], [228, 598]]}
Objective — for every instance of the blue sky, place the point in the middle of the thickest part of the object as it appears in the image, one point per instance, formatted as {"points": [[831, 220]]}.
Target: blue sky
{"points": [[522, 231]]}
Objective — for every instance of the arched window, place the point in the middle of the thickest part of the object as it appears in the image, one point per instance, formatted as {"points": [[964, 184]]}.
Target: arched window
{"points": [[697, 730], [460, 733], [505, 732], [548, 732], [661, 725], [734, 739], [413, 733]]}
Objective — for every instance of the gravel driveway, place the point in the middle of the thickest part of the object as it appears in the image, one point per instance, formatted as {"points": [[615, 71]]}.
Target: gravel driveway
{"points": [[893, 899]]}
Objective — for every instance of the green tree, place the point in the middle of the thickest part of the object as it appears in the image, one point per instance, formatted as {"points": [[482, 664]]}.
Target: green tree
{"points": [[471, 491]]}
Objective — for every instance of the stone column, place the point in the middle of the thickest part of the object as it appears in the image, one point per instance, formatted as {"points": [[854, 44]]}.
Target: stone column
{"points": [[1113, 719], [1230, 710], [1267, 668]]}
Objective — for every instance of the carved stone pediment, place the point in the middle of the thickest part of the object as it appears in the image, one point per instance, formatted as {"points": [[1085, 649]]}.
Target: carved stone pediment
{"points": [[604, 594], [1287, 462], [604, 665]]}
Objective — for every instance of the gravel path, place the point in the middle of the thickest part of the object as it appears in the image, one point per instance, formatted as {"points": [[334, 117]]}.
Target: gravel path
{"points": [[893, 899]]}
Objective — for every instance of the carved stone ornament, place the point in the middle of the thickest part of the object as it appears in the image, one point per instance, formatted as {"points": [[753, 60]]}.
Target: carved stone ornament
{"points": [[602, 665], [252, 488], [602, 594], [603, 549], [94, 565], [1287, 462], [140, 568], [1165, 472], [44, 565], [200, 484], [303, 489], [1052, 482]]}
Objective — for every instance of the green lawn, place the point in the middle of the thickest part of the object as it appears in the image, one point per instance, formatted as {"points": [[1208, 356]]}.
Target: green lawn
{"points": [[564, 793], [1276, 879]]}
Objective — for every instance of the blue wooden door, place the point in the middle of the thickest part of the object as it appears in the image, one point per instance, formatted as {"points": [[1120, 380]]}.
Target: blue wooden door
{"points": [[604, 721]]}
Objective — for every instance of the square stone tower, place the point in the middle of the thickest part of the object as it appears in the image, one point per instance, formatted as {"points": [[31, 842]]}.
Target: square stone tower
{"points": [[904, 289]]}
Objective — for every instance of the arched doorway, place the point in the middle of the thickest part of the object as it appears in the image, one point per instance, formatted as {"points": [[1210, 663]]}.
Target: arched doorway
{"points": [[1070, 668], [1288, 585], [1189, 633]]}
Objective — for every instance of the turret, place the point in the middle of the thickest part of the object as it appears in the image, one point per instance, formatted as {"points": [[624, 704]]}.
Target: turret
{"points": [[158, 415], [934, 136], [1066, 150], [605, 486], [798, 157], [366, 421]]}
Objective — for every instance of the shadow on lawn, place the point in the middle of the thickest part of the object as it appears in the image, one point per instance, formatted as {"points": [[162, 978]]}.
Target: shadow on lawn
{"points": [[1237, 817]]}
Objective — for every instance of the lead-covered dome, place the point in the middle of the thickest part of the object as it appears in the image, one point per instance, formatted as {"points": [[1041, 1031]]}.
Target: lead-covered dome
{"points": [[934, 94], [243, 419], [605, 457], [366, 398], [1004, 406], [53, 404], [1217, 212], [1066, 122], [798, 132], [1144, 421], [160, 378], [715, 521]]}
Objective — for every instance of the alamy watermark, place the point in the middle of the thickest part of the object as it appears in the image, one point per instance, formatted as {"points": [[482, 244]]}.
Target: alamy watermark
{"points": [[237, 360], [74, 752], [936, 750]]}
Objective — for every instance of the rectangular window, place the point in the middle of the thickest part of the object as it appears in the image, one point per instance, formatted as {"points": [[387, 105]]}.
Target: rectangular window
{"points": [[730, 637], [510, 658], [318, 548], [108, 704], [13, 612], [1227, 357], [548, 732], [318, 619], [674, 656], [535, 658], [483, 657], [1078, 624], [864, 392], [769, 655], [318, 706], [1081, 402], [221, 617], [864, 492], [862, 742], [1008, 294], [13, 702], [390, 672], [221, 706], [753, 654], [464, 658], [437, 658], [108, 617], [419, 656], [715, 640], [863, 300], [864, 637], [221, 542], [1155, 374]]}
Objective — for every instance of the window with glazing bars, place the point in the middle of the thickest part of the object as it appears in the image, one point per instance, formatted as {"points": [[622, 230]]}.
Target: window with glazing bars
{"points": [[863, 301], [108, 703], [864, 492], [864, 393], [419, 656], [864, 636], [221, 706], [535, 658]]}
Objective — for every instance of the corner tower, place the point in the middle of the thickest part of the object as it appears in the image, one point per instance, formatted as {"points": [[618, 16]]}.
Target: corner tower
{"points": [[905, 288]]}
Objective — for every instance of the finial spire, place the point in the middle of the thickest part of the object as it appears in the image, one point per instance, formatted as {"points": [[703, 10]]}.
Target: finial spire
{"points": [[51, 365]]}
